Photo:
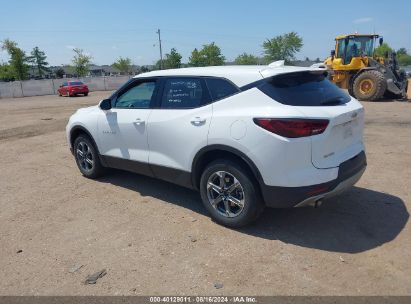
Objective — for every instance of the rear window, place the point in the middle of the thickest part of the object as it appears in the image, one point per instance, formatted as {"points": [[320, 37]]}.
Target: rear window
{"points": [[76, 83], [220, 88], [304, 89]]}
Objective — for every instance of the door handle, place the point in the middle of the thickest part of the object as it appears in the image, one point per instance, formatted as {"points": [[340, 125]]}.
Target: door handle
{"points": [[139, 122], [198, 121]]}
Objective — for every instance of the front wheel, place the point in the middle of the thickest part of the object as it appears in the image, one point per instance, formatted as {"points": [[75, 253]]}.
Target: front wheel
{"points": [[87, 157], [229, 194]]}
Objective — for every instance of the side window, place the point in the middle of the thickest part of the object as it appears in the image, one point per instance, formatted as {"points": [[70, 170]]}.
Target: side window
{"points": [[183, 93], [139, 96], [220, 88], [65, 84]]}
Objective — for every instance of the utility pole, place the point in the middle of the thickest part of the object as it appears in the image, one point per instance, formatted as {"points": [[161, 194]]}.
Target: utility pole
{"points": [[161, 51]]}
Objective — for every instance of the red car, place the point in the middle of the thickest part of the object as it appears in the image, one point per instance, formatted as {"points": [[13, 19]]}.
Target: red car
{"points": [[73, 88]]}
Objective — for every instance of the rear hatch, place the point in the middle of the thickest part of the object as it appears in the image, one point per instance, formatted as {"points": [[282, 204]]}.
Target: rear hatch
{"points": [[317, 98]]}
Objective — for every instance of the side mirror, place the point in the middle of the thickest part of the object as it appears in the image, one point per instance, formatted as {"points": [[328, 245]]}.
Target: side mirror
{"points": [[332, 53], [381, 41], [61, 86], [105, 104]]}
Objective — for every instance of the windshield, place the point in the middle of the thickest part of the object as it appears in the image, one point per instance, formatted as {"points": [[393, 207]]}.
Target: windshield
{"points": [[304, 89], [355, 46]]}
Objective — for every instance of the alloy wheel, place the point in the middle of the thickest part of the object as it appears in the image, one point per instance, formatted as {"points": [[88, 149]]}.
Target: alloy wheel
{"points": [[225, 194], [84, 156]]}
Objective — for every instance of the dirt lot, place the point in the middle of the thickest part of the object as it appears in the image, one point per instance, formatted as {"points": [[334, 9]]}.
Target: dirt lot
{"points": [[155, 238]]}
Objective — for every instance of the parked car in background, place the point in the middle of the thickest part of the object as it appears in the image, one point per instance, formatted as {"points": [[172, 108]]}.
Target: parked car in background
{"points": [[245, 137], [409, 74], [73, 88]]}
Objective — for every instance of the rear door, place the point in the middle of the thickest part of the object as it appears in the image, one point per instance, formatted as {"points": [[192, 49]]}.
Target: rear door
{"points": [[178, 127]]}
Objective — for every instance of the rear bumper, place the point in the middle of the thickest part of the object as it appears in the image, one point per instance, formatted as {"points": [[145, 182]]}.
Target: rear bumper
{"points": [[349, 173], [78, 91]]}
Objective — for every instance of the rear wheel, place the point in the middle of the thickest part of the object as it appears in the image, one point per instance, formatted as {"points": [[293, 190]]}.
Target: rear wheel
{"points": [[369, 85], [85, 94], [87, 157], [229, 194]]}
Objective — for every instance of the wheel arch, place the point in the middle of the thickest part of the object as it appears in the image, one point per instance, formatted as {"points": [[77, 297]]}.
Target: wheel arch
{"points": [[213, 152], [76, 131]]}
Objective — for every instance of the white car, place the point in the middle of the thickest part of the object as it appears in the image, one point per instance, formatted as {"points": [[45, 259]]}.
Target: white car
{"points": [[246, 137]]}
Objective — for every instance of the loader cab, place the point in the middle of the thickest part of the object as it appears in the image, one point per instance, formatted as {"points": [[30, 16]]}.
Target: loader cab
{"points": [[354, 46]]}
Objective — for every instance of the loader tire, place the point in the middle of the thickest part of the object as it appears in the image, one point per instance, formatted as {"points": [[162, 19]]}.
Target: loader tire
{"points": [[369, 85]]}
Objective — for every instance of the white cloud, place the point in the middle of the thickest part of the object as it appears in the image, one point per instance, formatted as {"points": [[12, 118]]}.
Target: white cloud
{"points": [[363, 20]]}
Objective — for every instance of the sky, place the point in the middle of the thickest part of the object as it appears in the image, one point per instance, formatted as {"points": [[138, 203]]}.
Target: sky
{"points": [[108, 29]]}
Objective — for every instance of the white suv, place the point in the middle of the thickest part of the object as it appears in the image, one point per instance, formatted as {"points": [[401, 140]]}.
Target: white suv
{"points": [[244, 136]]}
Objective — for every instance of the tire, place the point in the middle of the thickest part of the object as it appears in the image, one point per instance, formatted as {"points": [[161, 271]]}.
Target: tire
{"points": [[85, 94], [369, 85], [87, 157], [247, 196], [351, 90]]}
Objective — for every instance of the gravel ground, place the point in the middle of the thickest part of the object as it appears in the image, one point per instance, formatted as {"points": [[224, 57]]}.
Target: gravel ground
{"points": [[155, 238]]}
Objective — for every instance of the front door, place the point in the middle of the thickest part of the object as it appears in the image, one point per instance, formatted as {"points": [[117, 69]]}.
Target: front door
{"points": [[123, 129]]}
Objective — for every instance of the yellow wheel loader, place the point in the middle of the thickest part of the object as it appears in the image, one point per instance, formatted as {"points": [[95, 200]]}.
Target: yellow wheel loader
{"points": [[354, 66]]}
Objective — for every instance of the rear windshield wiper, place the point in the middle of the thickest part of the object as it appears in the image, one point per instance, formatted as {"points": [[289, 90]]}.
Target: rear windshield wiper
{"points": [[333, 101]]}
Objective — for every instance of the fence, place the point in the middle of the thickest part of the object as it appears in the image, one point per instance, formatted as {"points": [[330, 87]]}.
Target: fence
{"points": [[50, 86]]}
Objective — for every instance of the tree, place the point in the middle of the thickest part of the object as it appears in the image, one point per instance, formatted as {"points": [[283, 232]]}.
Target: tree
{"points": [[123, 65], [196, 59], [38, 59], [383, 50], [144, 69], [246, 59], [403, 57], [212, 55], [173, 60], [402, 51], [81, 62], [59, 73], [18, 67], [209, 55], [282, 47], [5, 72]]}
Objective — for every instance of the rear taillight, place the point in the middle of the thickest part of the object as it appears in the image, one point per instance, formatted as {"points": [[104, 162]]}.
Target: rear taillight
{"points": [[292, 127]]}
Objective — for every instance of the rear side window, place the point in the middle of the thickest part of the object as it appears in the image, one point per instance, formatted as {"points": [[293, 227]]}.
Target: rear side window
{"points": [[183, 93], [220, 88], [304, 89]]}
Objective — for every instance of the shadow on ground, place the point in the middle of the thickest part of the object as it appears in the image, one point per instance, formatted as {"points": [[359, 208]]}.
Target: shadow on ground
{"points": [[356, 221]]}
